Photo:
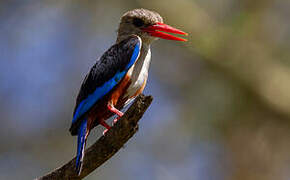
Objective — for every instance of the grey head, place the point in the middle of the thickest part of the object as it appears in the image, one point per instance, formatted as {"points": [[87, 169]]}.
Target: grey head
{"points": [[134, 21]]}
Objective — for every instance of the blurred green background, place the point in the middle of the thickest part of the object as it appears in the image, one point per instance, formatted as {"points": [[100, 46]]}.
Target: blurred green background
{"points": [[221, 108]]}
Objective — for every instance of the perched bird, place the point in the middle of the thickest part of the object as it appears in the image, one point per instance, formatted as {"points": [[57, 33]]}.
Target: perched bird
{"points": [[119, 75]]}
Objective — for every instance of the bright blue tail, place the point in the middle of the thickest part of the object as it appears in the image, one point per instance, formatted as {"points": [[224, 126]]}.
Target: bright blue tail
{"points": [[81, 145]]}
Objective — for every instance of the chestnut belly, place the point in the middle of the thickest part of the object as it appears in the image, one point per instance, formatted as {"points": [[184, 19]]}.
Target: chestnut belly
{"points": [[116, 98]]}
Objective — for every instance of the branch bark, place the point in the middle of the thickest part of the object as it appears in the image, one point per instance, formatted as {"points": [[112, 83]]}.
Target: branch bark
{"points": [[106, 146]]}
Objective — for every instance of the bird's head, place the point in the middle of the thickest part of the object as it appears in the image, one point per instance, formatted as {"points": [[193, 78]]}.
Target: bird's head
{"points": [[148, 25]]}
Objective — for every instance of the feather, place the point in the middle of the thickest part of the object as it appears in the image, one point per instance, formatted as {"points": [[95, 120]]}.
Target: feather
{"points": [[82, 138]]}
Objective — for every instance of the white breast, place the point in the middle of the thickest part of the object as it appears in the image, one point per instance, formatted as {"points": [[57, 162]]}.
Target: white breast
{"points": [[139, 72]]}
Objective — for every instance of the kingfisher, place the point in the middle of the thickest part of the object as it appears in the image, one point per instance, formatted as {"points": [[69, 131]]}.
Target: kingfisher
{"points": [[119, 75]]}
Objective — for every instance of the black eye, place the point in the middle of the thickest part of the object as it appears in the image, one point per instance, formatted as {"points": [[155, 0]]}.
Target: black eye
{"points": [[138, 22]]}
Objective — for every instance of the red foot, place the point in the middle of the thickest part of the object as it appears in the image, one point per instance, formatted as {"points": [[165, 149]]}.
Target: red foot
{"points": [[116, 119], [104, 132], [103, 123], [114, 110]]}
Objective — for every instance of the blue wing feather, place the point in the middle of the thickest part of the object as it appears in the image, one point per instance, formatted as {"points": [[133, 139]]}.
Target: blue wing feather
{"points": [[81, 145], [106, 87], [134, 56]]}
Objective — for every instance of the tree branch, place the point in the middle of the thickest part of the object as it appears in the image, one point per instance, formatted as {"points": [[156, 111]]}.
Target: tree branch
{"points": [[106, 146]]}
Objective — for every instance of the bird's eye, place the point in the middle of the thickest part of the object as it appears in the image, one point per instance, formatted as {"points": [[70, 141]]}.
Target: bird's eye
{"points": [[138, 22]]}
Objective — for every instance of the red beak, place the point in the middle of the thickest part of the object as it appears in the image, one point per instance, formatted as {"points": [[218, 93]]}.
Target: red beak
{"points": [[155, 30]]}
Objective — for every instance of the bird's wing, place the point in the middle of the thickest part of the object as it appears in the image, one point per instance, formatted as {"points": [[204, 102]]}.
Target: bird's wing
{"points": [[106, 74]]}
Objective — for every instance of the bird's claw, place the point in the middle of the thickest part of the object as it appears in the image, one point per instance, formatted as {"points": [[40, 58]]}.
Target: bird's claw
{"points": [[104, 132], [116, 120]]}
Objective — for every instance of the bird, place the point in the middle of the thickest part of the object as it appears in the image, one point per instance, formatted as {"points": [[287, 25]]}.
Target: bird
{"points": [[119, 75]]}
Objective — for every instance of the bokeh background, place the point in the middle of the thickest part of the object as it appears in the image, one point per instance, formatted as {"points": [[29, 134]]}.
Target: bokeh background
{"points": [[221, 108]]}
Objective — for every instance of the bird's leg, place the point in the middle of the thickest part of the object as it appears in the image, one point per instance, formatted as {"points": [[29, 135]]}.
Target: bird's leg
{"points": [[116, 111], [103, 123]]}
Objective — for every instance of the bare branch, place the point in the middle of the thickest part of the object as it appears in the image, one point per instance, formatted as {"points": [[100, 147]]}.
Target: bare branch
{"points": [[105, 147]]}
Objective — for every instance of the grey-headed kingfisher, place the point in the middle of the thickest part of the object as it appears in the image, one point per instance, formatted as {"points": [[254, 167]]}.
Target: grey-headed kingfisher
{"points": [[119, 75]]}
